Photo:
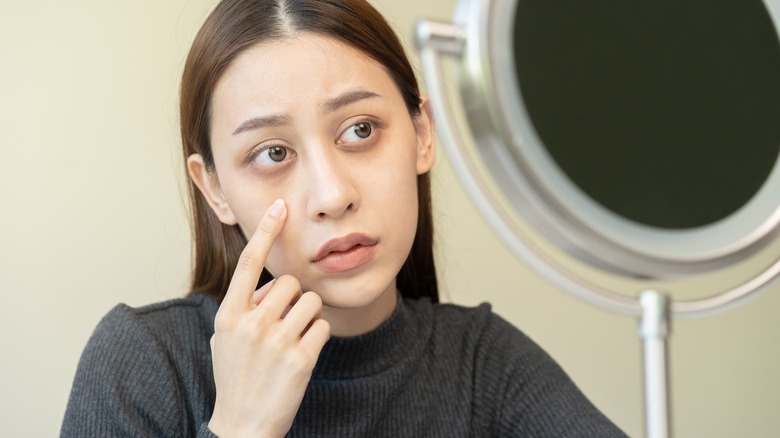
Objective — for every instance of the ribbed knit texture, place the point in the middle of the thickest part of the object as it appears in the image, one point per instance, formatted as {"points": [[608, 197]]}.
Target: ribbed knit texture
{"points": [[429, 371]]}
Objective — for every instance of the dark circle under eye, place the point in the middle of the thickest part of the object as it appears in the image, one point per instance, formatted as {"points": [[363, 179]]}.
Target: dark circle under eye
{"points": [[277, 153], [363, 130]]}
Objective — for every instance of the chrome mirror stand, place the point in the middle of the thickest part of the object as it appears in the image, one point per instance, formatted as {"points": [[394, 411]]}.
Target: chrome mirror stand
{"points": [[654, 309]]}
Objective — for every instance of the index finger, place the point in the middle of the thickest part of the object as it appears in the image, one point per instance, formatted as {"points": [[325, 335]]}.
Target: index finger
{"points": [[252, 259]]}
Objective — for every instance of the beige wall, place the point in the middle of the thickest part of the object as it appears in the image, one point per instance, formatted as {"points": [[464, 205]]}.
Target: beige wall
{"points": [[92, 215]]}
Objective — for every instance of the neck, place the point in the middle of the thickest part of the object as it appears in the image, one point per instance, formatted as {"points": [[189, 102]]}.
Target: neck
{"points": [[356, 321]]}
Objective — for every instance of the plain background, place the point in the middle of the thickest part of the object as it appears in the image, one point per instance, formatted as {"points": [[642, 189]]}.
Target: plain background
{"points": [[92, 189]]}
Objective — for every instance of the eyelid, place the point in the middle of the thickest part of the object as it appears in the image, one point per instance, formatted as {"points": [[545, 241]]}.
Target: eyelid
{"points": [[375, 125], [263, 147]]}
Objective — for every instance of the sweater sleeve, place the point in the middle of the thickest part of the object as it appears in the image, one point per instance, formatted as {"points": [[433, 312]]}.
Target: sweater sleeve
{"points": [[535, 397], [125, 385]]}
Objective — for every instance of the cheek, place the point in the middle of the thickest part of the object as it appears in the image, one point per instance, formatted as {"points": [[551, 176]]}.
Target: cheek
{"points": [[246, 198], [396, 182], [407, 207], [285, 256], [249, 199], [281, 258], [395, 201]]}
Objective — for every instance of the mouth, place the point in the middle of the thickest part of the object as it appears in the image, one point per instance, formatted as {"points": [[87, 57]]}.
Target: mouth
{"points": [[345, 253]]}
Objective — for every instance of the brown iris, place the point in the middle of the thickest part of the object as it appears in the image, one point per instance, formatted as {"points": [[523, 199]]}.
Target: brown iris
{"points": [[277, 153], [363, 130]]}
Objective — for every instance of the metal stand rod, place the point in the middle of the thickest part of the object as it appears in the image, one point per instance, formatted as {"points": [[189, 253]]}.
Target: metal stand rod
{"points": [[436, 39], [654, 332]]}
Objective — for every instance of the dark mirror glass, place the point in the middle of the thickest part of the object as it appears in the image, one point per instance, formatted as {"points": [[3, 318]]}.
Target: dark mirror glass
{"points": [[666, 112]]}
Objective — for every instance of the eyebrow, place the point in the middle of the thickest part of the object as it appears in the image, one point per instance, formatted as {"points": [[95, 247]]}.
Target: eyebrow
{"points": [[329, 106], [260, 122], [347, 98]]}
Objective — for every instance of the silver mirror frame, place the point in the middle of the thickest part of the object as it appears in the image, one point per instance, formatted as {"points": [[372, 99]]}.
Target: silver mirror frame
{"points": [[563, 213], [537, 189]]}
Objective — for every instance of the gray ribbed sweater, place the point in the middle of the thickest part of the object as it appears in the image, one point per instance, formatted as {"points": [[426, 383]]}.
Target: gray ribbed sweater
{"points": [[429, 371]]}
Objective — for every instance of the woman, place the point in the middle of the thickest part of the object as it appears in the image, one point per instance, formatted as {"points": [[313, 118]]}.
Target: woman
{"points": [[308, 146]]}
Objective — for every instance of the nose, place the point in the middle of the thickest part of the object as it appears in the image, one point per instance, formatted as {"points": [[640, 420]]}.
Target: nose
{"points": [[330, 187]]}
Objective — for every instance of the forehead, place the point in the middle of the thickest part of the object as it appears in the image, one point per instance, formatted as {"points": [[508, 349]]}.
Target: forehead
{"points": [[302, 69]]}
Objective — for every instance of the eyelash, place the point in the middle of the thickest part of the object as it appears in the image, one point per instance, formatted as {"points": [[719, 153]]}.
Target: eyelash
{"points": [[252, 158], [372, 124]]}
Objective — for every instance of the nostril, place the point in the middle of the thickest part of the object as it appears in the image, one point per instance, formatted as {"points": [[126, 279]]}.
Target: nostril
{"points": [[337, 211]]}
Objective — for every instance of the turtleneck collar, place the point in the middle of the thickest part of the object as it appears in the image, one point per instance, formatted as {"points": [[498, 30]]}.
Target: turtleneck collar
{"points": [[400, 339]]}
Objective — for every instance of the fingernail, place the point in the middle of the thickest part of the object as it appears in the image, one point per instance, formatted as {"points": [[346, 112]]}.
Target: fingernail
{"points": [[277, 208]]}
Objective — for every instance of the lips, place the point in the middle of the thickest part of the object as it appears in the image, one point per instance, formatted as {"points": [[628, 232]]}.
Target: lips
{"points": [[345, 253]]}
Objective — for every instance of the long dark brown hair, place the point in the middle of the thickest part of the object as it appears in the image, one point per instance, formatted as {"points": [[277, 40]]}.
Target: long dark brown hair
{"points": [[232, 27]]}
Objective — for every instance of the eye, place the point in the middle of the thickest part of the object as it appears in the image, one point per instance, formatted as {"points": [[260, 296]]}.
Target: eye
{"points": [[357, 132], [277, 153], [271, 155], [362, 130]]}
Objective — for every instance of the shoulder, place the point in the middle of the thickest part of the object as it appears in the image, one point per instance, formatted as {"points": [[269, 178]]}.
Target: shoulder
{"points": [[515, 387], [192, 313], [167, 323], [142, 369], [194, 307], [496, 352], [518, 387], [498, 349], [171, 330], [170, 335], [478, 323], [480, 337]]}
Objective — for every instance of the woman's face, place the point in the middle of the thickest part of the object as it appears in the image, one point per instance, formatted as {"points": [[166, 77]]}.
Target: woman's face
{"points": [[321, 125]]}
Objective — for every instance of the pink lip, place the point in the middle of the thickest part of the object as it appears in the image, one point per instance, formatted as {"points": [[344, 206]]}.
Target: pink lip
{"points": [[345, 253]]}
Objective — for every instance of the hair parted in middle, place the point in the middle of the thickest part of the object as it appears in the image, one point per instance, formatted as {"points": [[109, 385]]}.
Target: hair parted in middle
{"points": [[236, 25]]}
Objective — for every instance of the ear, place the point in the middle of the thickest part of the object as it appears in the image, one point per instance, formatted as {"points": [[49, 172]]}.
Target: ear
{"points": [[426, 137], [208, 184]]}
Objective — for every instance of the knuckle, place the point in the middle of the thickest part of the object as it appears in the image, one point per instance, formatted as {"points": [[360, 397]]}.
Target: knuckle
{"points": [[247, 332], [311, 358], [277, 345], [266, 227], [248, 259], [253, 331], [299, 361], [289, 282], [314, 299], [319, 332], [221, 322], [323, 326]]}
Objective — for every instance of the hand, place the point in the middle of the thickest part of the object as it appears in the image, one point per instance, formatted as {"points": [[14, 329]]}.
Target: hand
{"points": [[265, 345]]}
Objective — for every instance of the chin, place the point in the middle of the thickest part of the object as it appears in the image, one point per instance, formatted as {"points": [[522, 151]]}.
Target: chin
{"points": [[354, 293]]}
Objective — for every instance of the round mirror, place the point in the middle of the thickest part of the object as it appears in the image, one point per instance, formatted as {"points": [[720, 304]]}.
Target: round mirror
{"points": [[644, 137]]}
